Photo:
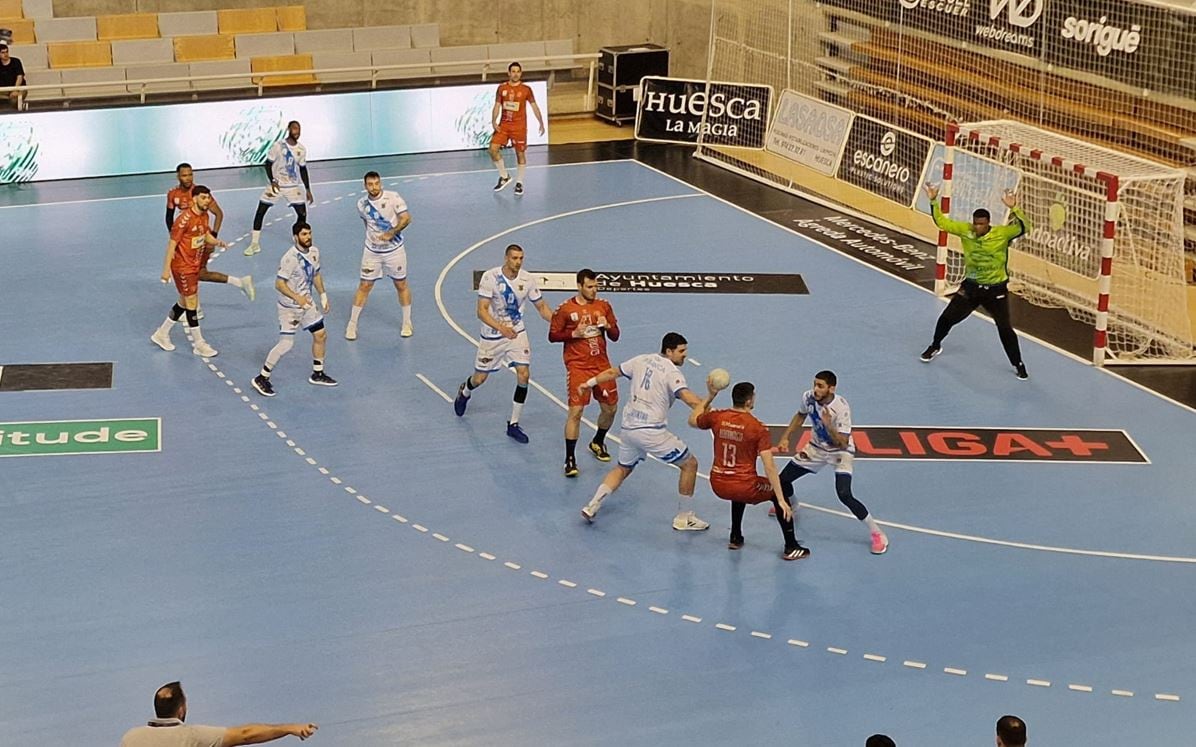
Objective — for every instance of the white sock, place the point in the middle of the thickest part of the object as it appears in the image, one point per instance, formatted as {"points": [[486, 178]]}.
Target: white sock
{"points": [[519, 169], [406, 313], [256, 235], [354, 313], [600, 494], [234, 281], [502, 169], [167, 326], [685, 504], [516, 411], [196, 335], [871, 524]]}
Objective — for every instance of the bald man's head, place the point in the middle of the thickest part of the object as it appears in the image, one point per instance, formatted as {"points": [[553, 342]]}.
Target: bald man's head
{"points": [[169, 701]]}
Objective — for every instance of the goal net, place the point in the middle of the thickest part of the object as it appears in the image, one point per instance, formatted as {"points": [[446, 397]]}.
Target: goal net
{"points": [[1107, 236]]}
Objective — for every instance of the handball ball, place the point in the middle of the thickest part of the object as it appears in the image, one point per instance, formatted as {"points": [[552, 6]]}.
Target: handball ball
{"points": [[719, 379]]}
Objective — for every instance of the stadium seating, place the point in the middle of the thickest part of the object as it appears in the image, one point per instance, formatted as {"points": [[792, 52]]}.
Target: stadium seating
{"points": [[127, 26], [189, 23], [264, 45], [291, 18], [153, 72], [22, 29], [74, 54], [247, 21], [332, 60], [328, 40], [143, 52], [32, 56], [116, 75], [381, 37], [204, 48], [11, 9], [422, 57], [281, 63], [43, 78], [221, 67], [66, 29]]}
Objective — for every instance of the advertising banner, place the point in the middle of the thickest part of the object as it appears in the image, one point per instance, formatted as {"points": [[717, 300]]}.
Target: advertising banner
{"points": [[808, 131], [215, 134], [675, 110], [885, 160]]}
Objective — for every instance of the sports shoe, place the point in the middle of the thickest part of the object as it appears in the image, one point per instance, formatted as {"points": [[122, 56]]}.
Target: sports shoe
{"points": [[407, 330], [599, 451], [686, 521], [797, 552], [203, 349], [503, 181], [880, 543], [252, 249], [247, 287], [590, 510], [736, 542], [319, 378], [162, 340], [461, 401], [263, 386], [351, 331], [1021, 371], [931, 352], [515, 432], [519, 189], [571, 467]]}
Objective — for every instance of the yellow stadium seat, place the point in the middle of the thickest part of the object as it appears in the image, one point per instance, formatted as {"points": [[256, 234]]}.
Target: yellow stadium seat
{"points": [[10, 9], [204, 48], [292, 18], [22, 29], [79, 54], [247, 21], [283, 62], [127, 26]]}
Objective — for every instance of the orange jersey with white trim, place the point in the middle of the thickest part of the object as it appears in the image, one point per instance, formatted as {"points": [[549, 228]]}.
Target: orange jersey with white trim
{"points": [[513, 100], [189, 234], [739, 437], [598, 318]]}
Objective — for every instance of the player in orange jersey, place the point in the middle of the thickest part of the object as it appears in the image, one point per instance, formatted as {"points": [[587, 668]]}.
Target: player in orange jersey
{"points": [[179, 198], [510, 125], [189, 238], [739, 438], [583, 324]]}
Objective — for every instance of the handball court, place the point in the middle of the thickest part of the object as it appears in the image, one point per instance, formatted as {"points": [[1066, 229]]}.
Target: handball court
{"points": [[359, 557]]}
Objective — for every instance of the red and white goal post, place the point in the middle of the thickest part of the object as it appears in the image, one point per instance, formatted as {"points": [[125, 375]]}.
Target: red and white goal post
{"points": [[1106, 242]]}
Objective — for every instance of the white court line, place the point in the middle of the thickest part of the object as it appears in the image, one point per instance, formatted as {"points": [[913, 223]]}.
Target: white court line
{"points": [[434, 388], [1103, 369], [439, 296], [166, 177]]}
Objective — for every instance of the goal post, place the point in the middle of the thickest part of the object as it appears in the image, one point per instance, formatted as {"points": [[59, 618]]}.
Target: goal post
{"points": [[1106, 243]]}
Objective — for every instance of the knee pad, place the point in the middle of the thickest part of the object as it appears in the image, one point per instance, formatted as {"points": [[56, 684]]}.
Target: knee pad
{"points": [[192, 318]]}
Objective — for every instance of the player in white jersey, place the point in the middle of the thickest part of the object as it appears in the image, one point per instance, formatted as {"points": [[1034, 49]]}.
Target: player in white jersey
{"points": [[830, 443], [298, 281], [385, 216], [656, 380], [286, 168], [502, 294]]}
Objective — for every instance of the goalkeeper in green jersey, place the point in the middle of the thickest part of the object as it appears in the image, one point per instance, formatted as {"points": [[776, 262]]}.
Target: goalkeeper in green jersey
{"points": [[986, 281]]}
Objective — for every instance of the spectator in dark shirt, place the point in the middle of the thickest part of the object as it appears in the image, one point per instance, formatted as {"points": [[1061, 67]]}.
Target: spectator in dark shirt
{"points": [[12, 73]]}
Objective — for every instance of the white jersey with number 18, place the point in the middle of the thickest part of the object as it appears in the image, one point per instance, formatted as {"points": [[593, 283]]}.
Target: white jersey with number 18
{"points": [[655, 383]]}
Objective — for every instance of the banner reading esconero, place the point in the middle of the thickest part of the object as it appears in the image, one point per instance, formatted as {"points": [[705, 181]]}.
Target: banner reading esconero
{"points": [[676, 110], [885, 160], [215, 134], [808, 131]]}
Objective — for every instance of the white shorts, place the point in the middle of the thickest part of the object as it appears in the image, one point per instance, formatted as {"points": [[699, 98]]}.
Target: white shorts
{"points": [[494, 354], [392, 264], [290, 320], [813, 458], [657, 442], [293, 195]]}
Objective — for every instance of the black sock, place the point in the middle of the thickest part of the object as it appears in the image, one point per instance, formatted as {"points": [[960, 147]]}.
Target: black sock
{"points": [[737, 509], [600, 436], [570, 448]]}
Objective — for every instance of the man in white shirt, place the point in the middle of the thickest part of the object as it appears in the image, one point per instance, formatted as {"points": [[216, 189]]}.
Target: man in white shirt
{"points": [[286, 168], [297, 283], [830, 443], [656, 381], [502, 294], [385, 216], [169, 729]]}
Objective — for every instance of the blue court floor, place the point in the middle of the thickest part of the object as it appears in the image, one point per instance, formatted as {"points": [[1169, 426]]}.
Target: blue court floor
{"points": [[359, 557]]}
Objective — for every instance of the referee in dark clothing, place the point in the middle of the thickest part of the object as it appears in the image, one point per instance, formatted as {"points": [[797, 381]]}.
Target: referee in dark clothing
{"points": [[986, 281]]}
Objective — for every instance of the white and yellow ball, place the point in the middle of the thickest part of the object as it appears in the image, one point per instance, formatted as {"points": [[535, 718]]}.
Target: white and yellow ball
{"points": [[719, 379]]}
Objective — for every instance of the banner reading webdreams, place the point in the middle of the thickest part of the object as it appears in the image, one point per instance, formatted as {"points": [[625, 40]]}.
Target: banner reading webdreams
{"points": [[884, 159], [676, 110], [1011, 25]]}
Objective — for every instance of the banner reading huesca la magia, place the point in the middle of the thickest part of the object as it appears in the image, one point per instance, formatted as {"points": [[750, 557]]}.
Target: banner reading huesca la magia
{"points": [[217, 134]]}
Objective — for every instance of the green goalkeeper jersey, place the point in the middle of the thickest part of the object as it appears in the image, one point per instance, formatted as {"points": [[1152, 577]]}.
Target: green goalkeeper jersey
{"points": [[986, 257]]}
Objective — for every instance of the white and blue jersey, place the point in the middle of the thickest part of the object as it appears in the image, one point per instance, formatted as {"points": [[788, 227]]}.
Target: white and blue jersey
{"points": [[298, 270], [655, 383], [285, 162], [381, 215], [819, 436], [507, 298]]}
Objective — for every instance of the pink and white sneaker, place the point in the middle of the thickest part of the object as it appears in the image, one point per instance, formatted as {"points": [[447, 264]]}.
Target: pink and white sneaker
{"points": [[880, 543]]}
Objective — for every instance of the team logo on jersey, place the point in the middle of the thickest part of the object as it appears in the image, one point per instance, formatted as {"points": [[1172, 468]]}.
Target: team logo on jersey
{"points": [[573, 317]]}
